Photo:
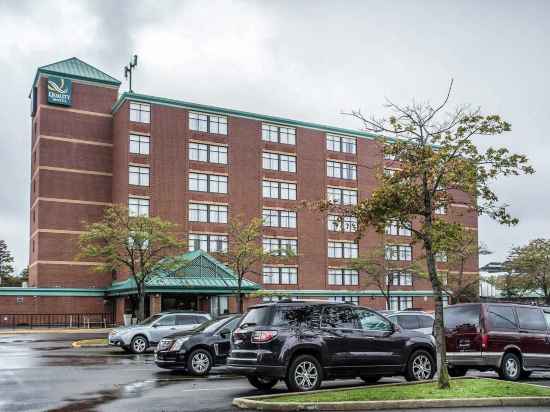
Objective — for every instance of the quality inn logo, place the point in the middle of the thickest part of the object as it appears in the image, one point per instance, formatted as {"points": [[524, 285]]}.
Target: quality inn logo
{"points": [[59, 91]]}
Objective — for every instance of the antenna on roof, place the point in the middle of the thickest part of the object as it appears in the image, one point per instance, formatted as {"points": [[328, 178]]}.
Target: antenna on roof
{"points": [[128, 71]]}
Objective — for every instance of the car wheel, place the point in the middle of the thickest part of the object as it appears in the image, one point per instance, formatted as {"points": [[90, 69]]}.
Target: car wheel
{"points": [[421, 366], [371, 379], [199, 362], [457, 371], [139, 344], [510, 368], [262, 383], [304, 374]]}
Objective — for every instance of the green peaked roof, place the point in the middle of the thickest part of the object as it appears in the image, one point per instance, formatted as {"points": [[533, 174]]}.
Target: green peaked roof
{"points": [[75, 68], [202, 274]]}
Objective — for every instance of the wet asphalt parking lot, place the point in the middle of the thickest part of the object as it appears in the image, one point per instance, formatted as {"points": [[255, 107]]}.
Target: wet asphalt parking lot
{"points": [[42, 372]]}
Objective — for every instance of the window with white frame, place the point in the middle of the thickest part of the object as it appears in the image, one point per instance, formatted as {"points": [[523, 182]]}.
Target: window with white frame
{"points": [[279, 218], [273, 298], [207, 213], [138, 175], [340, 170], [202, 182], [398, 252], [280, 275], [278, 134], [343, 144], [401, 302], [208, 242], [342, 250], [138, 206], [279, 162], [399, 279], [202, 152], [139, 144], [278, 190], [140, 112], [280, 246], [343, 277], [202, 122], [441, 210], [342, 223], [345, 299], [394, 228], [342, 196], [441, 257]]}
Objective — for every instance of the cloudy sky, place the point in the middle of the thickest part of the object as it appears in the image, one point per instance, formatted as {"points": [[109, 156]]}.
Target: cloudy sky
{"points": [[308, 60]]}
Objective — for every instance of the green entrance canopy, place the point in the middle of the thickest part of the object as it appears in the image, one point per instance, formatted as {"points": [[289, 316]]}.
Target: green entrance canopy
{"points": [[202, 274]]}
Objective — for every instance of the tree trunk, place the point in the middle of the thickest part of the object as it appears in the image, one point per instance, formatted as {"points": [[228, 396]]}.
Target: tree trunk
{"points": [[239, 295], [443, 374], [141, 303]]}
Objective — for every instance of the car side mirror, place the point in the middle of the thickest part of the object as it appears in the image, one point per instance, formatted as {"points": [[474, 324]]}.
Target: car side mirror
{"points": [[225, 333]]}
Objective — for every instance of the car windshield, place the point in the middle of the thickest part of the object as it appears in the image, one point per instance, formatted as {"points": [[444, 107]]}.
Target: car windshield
{"points": [[150, 320]]}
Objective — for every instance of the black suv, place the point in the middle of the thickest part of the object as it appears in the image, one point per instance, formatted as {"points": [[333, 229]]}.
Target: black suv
{"points": [[304, 342]]}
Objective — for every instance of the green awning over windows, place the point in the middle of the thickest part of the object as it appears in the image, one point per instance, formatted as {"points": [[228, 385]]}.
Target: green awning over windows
{"points": [[202, 274]]}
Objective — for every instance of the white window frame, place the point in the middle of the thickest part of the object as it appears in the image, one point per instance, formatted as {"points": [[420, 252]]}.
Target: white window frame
{"points": [[210, 153], [401, 302], [139, 144], [342, 223], [138, 206], [272, 189], [280, 275], [276, 245], [341, 170], [206, 242], [208, 123], [209, 183], [138, 175], [140, 112], [342, 196], [207, 213], [279, 218], [344, 299], [342, 250], [343, 144], [398, 253], [393, 228], [278, 134], [342, 277], [398, 278]]}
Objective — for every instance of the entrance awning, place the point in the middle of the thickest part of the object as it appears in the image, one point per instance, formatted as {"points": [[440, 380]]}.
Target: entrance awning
{"points": [[202, 274]]}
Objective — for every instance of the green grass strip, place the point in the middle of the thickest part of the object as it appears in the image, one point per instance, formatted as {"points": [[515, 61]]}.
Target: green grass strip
{"points": [[460, 388]]}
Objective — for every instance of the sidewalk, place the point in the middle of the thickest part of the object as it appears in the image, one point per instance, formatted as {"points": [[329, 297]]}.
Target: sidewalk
{"points": [[53, 330]]}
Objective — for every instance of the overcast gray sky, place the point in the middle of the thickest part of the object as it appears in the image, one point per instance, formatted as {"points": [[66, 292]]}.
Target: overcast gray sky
{"points": [[308, 60]]}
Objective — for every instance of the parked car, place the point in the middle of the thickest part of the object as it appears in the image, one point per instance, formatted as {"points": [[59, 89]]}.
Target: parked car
{"points": [[137, 338], [197, 350], [304, 343], [511, 339], [418, 321]]}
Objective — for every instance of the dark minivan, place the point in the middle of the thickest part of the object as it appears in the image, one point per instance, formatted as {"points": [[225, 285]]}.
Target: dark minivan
{"points": [[511, 339], [305, 342]]}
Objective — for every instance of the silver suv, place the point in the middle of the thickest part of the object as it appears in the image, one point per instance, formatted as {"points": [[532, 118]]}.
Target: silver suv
{"points": [[413, 320], [138, 338]]}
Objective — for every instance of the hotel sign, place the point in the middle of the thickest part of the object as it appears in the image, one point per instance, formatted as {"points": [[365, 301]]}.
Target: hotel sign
{"points": [[60, 91]]}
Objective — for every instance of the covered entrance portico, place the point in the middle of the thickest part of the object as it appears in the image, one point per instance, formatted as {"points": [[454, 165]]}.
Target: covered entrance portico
{"points": [[203, 284]]}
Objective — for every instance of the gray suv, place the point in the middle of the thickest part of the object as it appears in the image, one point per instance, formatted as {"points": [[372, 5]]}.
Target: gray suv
{"points": [[137, 338]]}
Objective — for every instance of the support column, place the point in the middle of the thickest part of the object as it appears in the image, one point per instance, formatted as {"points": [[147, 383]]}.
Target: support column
{"points": [[155, 304]]}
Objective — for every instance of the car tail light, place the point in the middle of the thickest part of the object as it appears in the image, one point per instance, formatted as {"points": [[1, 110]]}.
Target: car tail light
{"points": [[263, 336], [484, 341]]}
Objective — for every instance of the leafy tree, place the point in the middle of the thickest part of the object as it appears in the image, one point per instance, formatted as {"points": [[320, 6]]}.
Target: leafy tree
{"points": [[381, 272], [6, 261], [436, 164], [15, 280], [246, 252], [529, 268], [139, 244]]}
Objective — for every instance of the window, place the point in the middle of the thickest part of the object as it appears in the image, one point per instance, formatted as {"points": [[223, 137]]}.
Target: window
{"points": [[280, 275], [280, 162], [207, 213], [139, 144], [202, 152], [279, 190], [344, 299], [138, 176], [396, 229], [169, 320], [398, 252], [530, 318], [140, 112], [371, 321], [399, 279], [341, 170], [342, 196], [202, 122], [389, 156], [279, 218], [502, 317], [138, 206], [400, 302], [278, 134], [200, 182], [280, 246], [441, 257], [208, 242], [407, 321], [341, 144], [342, 250], [389, 172], [441, 210], [342, 223], [343, 277]]}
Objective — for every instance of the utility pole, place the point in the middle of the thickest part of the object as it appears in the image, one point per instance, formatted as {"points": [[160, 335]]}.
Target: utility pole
{"points": [[128, 71]]}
